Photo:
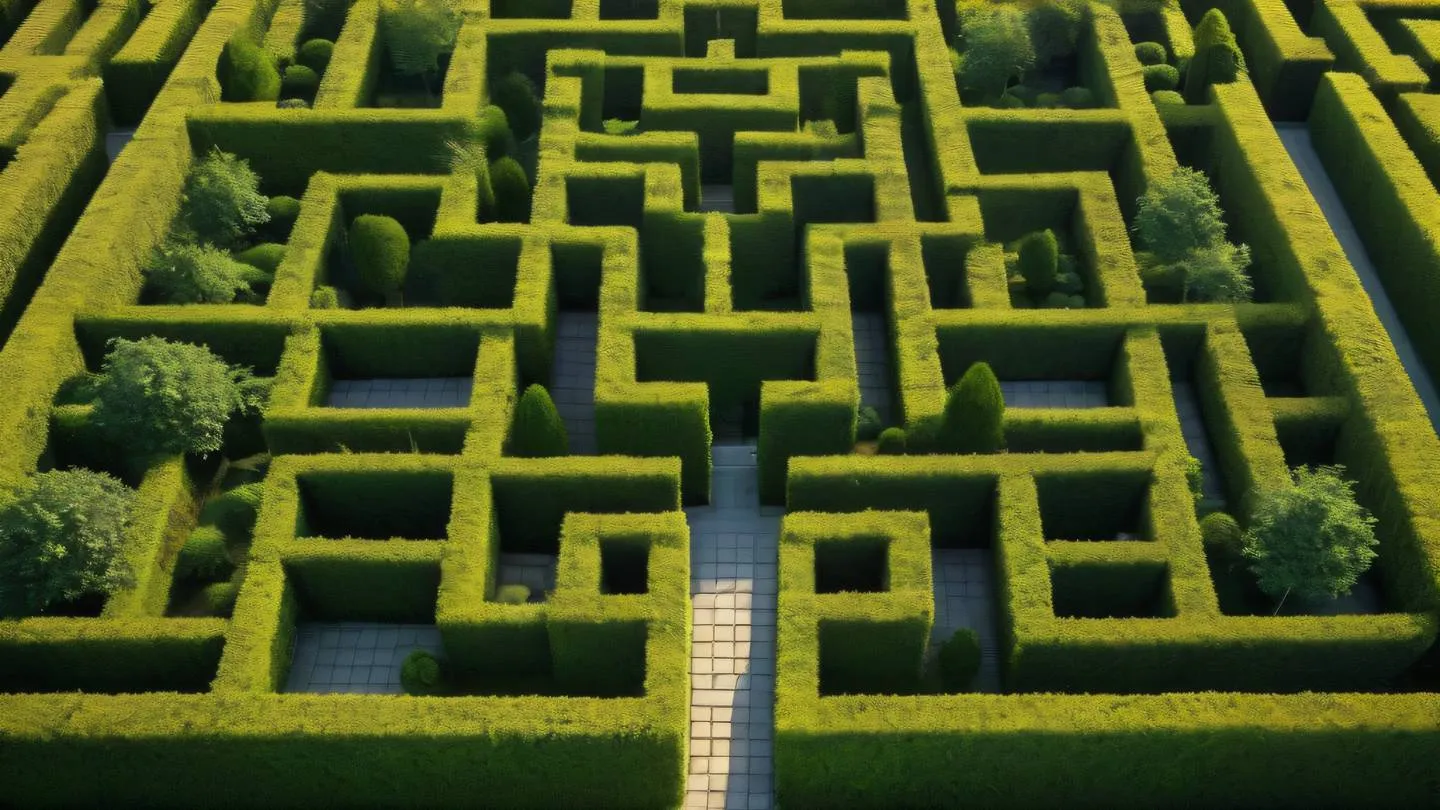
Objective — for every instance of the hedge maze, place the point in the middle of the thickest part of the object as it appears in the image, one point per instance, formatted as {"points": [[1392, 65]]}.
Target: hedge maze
{"points": [[717, 201]]}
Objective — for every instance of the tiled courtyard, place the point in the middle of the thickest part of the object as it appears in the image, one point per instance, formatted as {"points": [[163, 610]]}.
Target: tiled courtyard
{"points": [[356, 657], [409, 392]]}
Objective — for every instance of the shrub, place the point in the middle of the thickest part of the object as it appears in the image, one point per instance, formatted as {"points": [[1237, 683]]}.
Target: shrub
{"points": [[1078, 98], [265, 256], [617, 126], [974, 413], [892, 442], [187, 273], [219, 598], [1054, 28], [1195, 479], [283, 211], [537, 431], [315, 54], [1023, 92], [292, 104], [512, 191], [203, 557], [518, 97], [959, 660], [420, 674], [1047, 100], [923, 435], [1059, 300], [1009, 102], [1220, 531], [867, 424], [493, 130], [1150, 53], [1178, 214], [417, 33], [159, 396], [222, 203], [324, 297], [247, 72], [997, 48], [1161, 77], [1161, 97], [62, 537], [1039, 257], [1217, 58], [299, 82], [234, 510], [381, 250], [1310, 539], [513, 594], [1217, 274]]}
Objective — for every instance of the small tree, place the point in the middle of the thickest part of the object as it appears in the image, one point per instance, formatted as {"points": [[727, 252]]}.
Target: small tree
{"points": [[381, 250], [518, 96], [1217, 274], [512, 191], [187, 273], [62, 537], [155, 396], [537, 431], [1311, 539], [222, 203], [997, 48], [974, 413], [1179, 214], [1217, 58], [1039, 260], [417, 33]]}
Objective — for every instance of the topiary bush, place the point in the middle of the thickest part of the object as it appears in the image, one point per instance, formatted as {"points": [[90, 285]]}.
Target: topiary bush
{"points": [[222, 203], [1217, 58], [1219, 531], [974, 413], [204, 557], [292, 104], [62, 537], [512, 191], [265, 257], [1151, 53], [867, 424], [892, 442], [493, 130], [959, 660], [282, 210], [299, 81], [187, 273], [1047, 100], [219, 598], [324, 297], [519, 98], [922, 435], [1162, 97], [381, 250], [315, 54], [247, 72], [420, 674], [1078, 98], [1055, 28], [512, 594], [155, 396], [537, 431], [1038, 262], [1161, 77], [234, 510]]}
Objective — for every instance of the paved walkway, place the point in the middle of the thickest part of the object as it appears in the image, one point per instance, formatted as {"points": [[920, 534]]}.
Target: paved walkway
{"points": [[734, 553], [872, 360], [1055, 394], [356, 657], [409, 392], [1296, 138], [717, 197], [1197, 439], [572, 378], [964, 598]]}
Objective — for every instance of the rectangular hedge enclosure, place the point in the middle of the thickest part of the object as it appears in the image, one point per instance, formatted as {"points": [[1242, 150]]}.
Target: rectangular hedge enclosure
{"points": [[432, 239]]}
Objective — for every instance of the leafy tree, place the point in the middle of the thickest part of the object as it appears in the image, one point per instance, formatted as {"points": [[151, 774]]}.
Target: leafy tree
{"points": [[222, 203], [247, 72], [537, 431], [1217, 274], [62, 537], [381, 249], [518, 96], [974, 413], [1054, 28], [1039, 260], [187, 273], [156, 396], [1217, 58], [1311, 539], [417, 33], [512, 191], [1178, 214], [997, 48]]}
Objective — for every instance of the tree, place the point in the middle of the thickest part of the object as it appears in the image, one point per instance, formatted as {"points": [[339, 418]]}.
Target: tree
{"points": [[1217, 58], [518, 96], [997, 48], [1310, 539], [157, 396], [512, 191], [62, 537], [222, 203], [247, 72], [1217, 274], [417, 33], [1039, 260], [974, 413], [537, 431], [381, 249], [1178, 214], [187, 273], [1054, 28]]}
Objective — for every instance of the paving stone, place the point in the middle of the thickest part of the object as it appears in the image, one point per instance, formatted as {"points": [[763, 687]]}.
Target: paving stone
{"points": [[355, 657]]}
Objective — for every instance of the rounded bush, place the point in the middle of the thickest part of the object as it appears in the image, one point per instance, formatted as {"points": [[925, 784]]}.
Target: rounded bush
{"points": [[265, 256], [1220, 531], [892, 442], [1047, 100], [923, 436], [517, 95], [512, 190], [299, 82], [960, 660], [1078, 98], [420, 674], [1056, 300], [867, 424], [1150, 53], [537, 431], [1069, 282], [493, 130], [315, 54], [234, 510], [381, 249], [324, 297], [513, 594], [1023, 92], [283, 211], [203, 557], [247, 72], [1162, 97], [292, 104], [1009, 102], [220, 598], [1077, 302], [974, 413], [1038, 261], [1161, 77]]}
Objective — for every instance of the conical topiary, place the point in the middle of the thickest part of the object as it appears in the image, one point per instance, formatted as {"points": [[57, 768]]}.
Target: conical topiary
{"points": [[974, 420], [381, 250], [1217, 57], [537, 431], [1039, 258]]}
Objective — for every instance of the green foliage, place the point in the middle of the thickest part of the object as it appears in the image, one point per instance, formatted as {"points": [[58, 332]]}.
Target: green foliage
{"points": [[616, 126], [493, 130], [470, 157], [1195, 478], [247, 72], [892, 442], [1039, 257], [420, 674], [997, 48], [1078, 98], [222, 203], [960, 660], [1047, 101], [512, 190], [1217, 274], [867, 424], [1217, 58], [265, 257], [324, 297], [417, 33], [62, 537], [315, 54], [158, 396], [1311, 539], [187, 273], [974, 413], [537, 431], [220, 597], [299, 81], [381, 250], [1163, 97], [283, 210], [1054, 28], [234, 510], [203, 557], [518, 97], [512, 594], [1220, 531], [292, 104], [1179, 221], [1151, 53], [1161, 77]]}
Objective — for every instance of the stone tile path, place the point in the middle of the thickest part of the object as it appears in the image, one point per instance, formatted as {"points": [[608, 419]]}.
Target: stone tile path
{"points": [[535, 571], [412, 392], [572, 378], [356, 657], [717, 197], [115, 141], [734, 554], [964, 597], [872, 360], [1055, 394], [1197, 439]]}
